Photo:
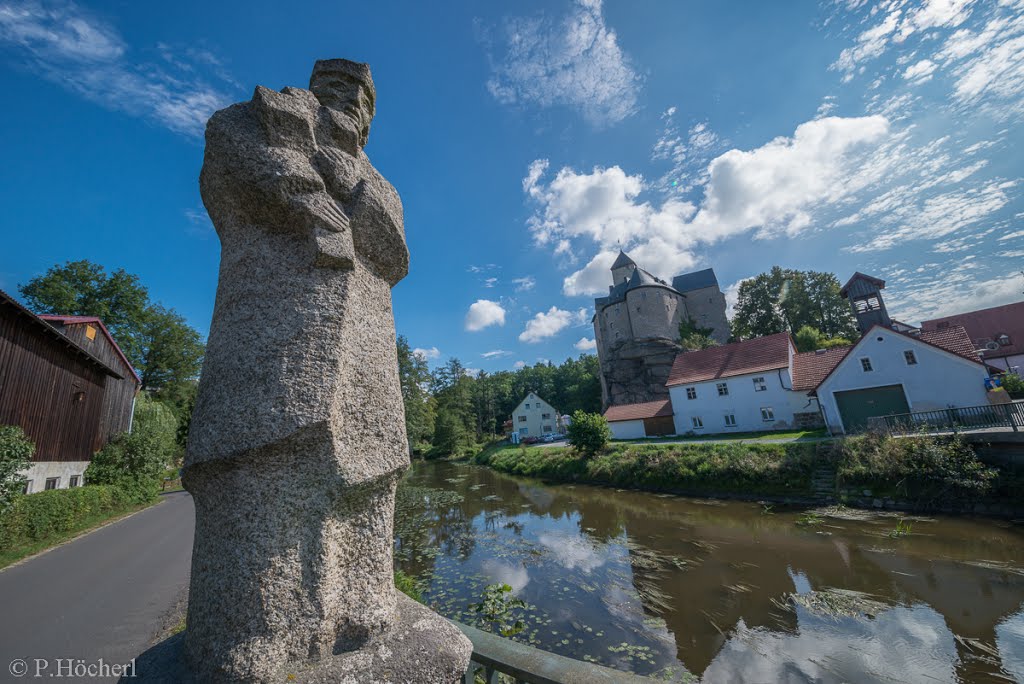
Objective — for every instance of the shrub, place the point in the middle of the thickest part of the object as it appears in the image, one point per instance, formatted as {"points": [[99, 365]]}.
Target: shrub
{"points": [[1013, 384], [924, 466], [15, 456], [136, 461], [407, 585], [449, 434], [58, 511], [588, 432]]}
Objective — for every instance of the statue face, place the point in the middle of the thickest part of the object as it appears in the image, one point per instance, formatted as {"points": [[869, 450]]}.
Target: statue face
{"points": [[346, 94]]}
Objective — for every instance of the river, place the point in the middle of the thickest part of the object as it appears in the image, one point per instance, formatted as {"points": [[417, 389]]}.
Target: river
{"points": [[678, 588]]}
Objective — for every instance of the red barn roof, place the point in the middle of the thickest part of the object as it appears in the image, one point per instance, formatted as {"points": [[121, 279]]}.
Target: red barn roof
{"points": [[986, 325], [810, 368], [649, 409], [739, 358]]}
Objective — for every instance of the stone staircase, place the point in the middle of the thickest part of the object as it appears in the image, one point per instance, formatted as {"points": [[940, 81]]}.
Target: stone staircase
{"points": [[823, 477]]}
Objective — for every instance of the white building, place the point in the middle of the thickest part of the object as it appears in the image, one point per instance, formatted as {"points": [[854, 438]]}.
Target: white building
{"points": [[887, 372], [636, 421], [740, 387], [534, 417]]}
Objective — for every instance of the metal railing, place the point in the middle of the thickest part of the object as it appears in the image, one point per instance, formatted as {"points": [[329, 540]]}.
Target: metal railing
{"points": [[502, 660], [952, 419]]}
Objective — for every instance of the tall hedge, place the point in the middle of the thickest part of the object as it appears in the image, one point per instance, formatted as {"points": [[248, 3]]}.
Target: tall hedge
{"points": [[54, 512]]}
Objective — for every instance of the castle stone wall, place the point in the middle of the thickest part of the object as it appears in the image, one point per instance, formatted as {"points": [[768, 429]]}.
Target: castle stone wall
{"points": [[706, 307]]}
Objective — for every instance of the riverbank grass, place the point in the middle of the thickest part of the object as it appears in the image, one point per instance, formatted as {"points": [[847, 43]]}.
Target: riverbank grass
{"points": [[707, 469], [767, 435]]}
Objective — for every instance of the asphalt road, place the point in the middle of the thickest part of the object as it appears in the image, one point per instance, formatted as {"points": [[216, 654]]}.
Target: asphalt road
{"points": [[101, 596]]}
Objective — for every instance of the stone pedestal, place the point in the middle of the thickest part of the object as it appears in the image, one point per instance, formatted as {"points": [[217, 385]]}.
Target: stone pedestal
{"points": [[420, 646]]}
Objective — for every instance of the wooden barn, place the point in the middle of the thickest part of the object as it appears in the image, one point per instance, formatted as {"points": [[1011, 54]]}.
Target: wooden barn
{"points": [[66, 383]]}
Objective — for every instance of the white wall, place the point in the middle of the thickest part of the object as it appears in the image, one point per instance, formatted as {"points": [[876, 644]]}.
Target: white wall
{"points": [[39, 472], [628, 429], [938, 380], [743, 402], [533, 418]]}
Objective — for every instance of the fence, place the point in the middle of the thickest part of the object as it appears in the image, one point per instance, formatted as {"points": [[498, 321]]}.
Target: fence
{"points": [[502, 660], [952, 420]]}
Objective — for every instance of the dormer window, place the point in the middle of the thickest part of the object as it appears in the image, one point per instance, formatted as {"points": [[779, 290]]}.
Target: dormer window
{"points": [[1003, 340]]}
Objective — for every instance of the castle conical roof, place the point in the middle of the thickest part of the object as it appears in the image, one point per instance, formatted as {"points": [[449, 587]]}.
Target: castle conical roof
{"points": [[622, 260]]}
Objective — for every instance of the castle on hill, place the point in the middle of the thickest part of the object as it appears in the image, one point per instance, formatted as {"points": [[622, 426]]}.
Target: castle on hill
{"points": [[636, 327]]}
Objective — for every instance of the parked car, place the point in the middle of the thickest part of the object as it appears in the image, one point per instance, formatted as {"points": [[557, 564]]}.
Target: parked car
{"points": [[549, 438], [529, 440]]}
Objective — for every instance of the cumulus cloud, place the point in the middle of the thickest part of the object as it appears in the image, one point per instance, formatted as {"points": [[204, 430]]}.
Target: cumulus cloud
{"points": [[519, 364], [586, 344], [427, 354], [525, 283], [550, 323], [773, 188], [86, 55], [484, 313], [574, 62]]}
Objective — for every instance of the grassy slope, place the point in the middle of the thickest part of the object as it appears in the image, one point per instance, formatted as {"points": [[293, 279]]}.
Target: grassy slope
{"points": [[748, 469]]}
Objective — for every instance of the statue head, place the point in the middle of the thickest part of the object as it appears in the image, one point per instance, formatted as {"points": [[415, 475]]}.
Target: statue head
{"points": [[346, 87]]}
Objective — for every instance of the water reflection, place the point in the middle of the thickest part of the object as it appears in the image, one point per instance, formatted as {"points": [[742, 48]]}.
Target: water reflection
{"points": [[728, 591]]}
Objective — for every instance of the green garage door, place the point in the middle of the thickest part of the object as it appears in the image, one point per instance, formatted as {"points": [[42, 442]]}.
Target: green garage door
{"points": [[856, 406]]}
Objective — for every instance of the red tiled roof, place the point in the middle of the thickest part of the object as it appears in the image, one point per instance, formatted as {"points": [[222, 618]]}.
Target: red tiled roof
{"points": [[739, 358], [952, 339], [649, 409], [986, 325], [810, 368], [80, 320]]}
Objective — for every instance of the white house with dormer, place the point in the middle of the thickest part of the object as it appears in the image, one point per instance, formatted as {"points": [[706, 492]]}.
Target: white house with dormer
{"points": [[534, 417]]}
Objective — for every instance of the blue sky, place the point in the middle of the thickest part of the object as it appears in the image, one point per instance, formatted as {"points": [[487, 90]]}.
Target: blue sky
{"points": [[529, 140]]}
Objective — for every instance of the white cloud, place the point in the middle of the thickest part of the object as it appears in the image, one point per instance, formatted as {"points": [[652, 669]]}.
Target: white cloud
{"points": [[550, 323], [575, 62], [774, 188], [427, 354], [586, 344], [496, 354], [1011, 236], [934, 295], [483, 313], [87, 56], [525, 283], [920, 72], [490, 282], [519, 364]]}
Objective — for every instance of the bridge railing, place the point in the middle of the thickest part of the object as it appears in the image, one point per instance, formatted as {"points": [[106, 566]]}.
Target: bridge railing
{"points": [[952, 419], [494, 656]]}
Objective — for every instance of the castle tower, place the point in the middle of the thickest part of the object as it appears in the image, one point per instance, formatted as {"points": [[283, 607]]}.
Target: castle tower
{"points": [[865, 295], [622, 269]]}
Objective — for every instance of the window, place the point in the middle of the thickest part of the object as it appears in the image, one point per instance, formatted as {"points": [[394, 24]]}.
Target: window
{"points": [[545, 416], [27, 489], [867, 304], [547, 428], [865, 365], [52, 483], [767, 414], [730, 420], [1003, 340], [723, 389], [909, 357], [524, 431], [638, 309], [643, 295], [75, 481], [522, 419], [691, 392], [697, 422], [759, 385]]}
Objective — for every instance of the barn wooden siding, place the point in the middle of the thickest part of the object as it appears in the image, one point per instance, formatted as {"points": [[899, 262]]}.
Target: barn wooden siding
{"points": [[119, 397], [50, 387]]}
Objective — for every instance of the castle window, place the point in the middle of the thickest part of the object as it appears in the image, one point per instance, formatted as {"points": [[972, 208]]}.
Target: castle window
{"points": [[909, 357], [759, 385], [730, 420], [697, 422], [638, 309], [767, 414], [691, 392], [723, 389], [865, 365]]}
